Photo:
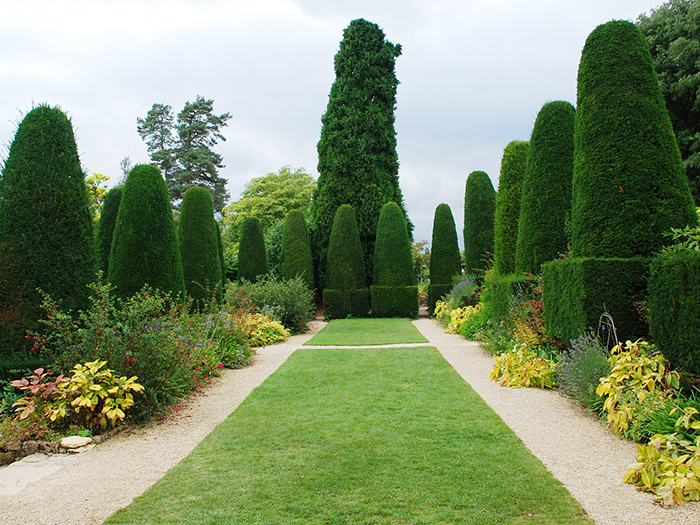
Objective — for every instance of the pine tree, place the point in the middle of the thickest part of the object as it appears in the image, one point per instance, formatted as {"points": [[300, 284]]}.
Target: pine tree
{"points": [[105, 228], [629, 185], [444, 255], [252, 260], [545, 206], [46, 231], [144, 245], [479, 215], [510, 185], [199, 247], [296, 250], [358, 164]]}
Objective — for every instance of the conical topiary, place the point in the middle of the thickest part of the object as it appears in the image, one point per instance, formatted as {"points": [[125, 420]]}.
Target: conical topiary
{"points": [[345, 294], [444, 255], [199, 247], [46, 231], [629, 185], [296, 251], [105, 228], [252, 259], [510, 185], [394, 292], [222, 261], [545, 206], [479, 216], [144, 246]]}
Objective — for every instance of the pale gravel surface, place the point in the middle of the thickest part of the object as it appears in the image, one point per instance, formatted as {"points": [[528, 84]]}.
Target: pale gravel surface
{"points": [[87, 488]]}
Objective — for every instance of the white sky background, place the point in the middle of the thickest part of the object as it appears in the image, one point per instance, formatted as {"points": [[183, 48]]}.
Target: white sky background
{"points": [[473, 74]]}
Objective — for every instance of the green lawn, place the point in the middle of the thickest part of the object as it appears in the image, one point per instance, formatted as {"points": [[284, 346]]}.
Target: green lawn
{"points": [[363, 332], [359, 436]]}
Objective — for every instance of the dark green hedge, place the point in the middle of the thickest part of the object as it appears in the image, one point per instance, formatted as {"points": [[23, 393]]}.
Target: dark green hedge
{"points": [[394, 301], [499, 291], [479, 216], [296, 250], [46, 231], [510, 189], [199, 247], [105, 227], [346, 270], [340, 304], [629, 183], [445, 260], [578, 291], [393, 260], [674, 304], [545, 206], [144, 246], [252, 258], [436, 292]]}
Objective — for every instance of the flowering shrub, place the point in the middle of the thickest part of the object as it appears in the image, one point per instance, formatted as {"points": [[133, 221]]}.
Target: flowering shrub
{"points": [[580, 368], [523, 367], [527, 314]]}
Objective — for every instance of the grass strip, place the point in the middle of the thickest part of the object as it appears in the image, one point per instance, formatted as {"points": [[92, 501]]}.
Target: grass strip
{"points": [[359, 436], [364, 332]]}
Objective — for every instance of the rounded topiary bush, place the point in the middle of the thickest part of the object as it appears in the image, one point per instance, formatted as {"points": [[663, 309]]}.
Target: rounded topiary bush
{"points": [[145, 249], [444, 255], [479, 214], [629, 185], [510, 185], [545, 205], [296, 250], [105, 228], [199, 247], [46, 232], [252, 259]]}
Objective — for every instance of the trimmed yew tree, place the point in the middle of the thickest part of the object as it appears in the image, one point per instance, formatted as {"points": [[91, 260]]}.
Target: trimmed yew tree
{"points": [[394, 292], [479, 215], [199, 247], [46, 235], [105, 228], [296, 258], [445, 260], [144, 246], [252, 258], [545, 205], [629, 187], [357, 159], [346, 293], [510, 185]]}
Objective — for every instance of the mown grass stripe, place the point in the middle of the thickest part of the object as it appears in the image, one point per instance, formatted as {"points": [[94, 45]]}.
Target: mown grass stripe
{"points": [[364, 332]]}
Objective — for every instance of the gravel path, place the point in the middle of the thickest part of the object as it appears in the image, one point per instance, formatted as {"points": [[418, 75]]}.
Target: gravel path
{"points": [[85, 489]]}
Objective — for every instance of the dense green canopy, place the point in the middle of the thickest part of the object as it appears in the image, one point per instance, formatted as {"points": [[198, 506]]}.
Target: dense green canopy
{"points": [[252, 259], [479, 214]]}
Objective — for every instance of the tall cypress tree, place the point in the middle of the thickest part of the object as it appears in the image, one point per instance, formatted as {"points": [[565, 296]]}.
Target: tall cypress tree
{"points": [[444, 255], [144, 245], [199, 247], [46, 232], [105, 228], [510, 186], [629, 185], [479, 214], [296, 250], [357, 160], [545, 205], [252, 259]]}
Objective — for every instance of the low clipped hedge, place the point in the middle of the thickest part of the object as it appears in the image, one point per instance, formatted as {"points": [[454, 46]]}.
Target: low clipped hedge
{"points": [[500, 290], [340, 304], [578, 291], [674, 304], [394, 301]]}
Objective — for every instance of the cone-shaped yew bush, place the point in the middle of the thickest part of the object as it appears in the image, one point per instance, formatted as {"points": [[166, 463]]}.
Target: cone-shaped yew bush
{"points": [[105, 228], [444, 255], [296, 250], [252, 259], [479, 214]]}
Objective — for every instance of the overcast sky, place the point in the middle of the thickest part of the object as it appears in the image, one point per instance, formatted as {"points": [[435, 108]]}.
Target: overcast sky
{"points": [[473, 74]]}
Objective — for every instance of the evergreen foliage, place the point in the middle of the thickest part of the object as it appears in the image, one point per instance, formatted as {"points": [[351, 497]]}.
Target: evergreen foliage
{"points": [[545, 205], [629, 184], [479, 216], [358, 163], [510, 186], [145, 249], [105, 228], [296, 250], [445, 261], [46, 231], [252, 259], [222, 261], [199, 247]]}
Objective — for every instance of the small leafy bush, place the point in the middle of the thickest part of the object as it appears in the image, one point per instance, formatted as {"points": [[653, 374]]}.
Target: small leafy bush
{"points": [[580, 368], [522, 366], [262, 330]]}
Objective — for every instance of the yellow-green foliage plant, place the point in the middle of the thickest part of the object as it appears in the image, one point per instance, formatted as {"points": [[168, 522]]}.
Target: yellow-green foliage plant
{"points": [[459, 316], [523, 367], [262, 330], [635, 377]]}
